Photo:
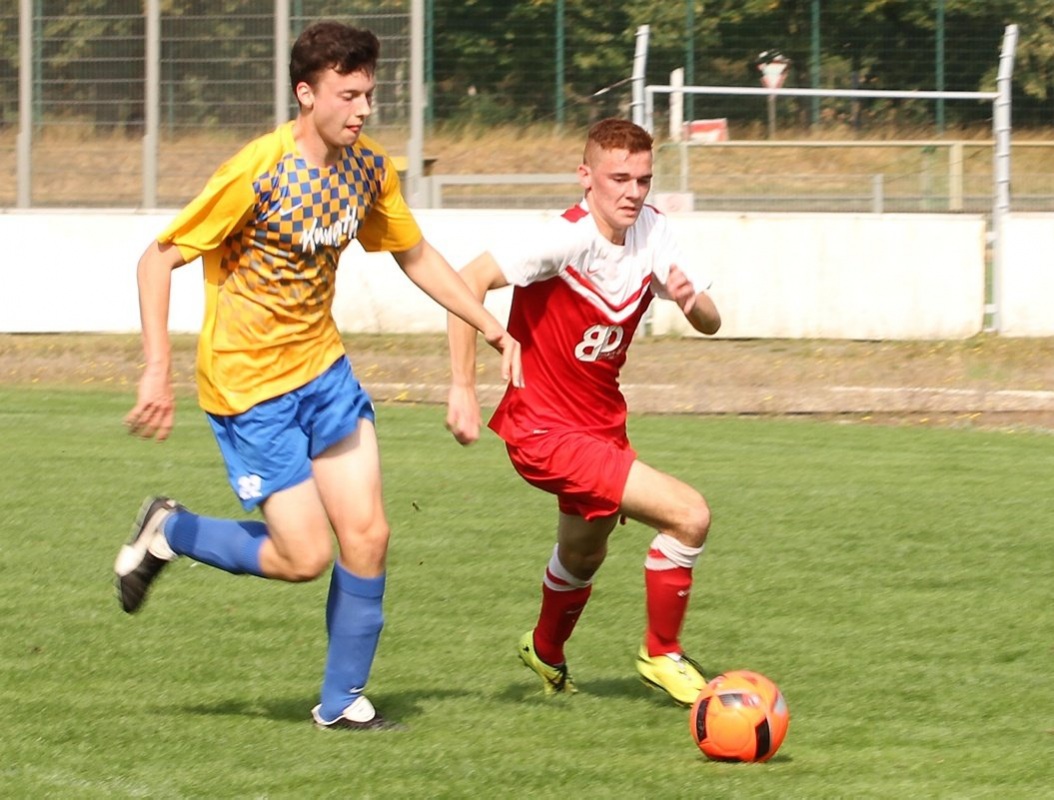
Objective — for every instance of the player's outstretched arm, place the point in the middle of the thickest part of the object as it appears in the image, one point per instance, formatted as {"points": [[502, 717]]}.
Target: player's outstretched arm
{"points": [[704, 316], [155, 408], [698, 307], [435, 277], [463, 417]]}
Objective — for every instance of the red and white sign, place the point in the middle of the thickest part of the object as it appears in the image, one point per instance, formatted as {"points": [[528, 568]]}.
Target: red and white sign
{"points": [[773, 73], [706, 130]]}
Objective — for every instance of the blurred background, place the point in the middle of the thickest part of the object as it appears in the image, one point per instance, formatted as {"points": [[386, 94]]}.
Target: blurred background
{"points": [[509, 88]]}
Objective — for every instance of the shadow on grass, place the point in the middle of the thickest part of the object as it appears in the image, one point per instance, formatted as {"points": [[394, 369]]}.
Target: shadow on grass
{"points": [[629, 687], [397, 705], [292, 710]]}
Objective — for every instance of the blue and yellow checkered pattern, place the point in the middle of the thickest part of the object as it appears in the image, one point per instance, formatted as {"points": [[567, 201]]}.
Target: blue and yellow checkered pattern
{"points": [[270, 228]]}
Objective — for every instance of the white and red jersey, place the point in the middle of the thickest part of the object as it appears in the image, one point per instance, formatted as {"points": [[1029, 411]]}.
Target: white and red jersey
{"points": [[577, 301]]}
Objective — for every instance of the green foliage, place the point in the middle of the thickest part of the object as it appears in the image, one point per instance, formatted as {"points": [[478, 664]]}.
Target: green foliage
{"points": [[218, 57], [894, 582], [508, 51]]}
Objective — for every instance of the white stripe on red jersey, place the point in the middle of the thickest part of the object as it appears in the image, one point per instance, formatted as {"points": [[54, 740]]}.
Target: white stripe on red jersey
{"points": [[577, 302]]}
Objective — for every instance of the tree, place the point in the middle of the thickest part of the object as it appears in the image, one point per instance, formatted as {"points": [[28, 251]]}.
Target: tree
{"points": [[495, 60]]}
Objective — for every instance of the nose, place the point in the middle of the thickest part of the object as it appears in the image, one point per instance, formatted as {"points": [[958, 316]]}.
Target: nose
{"points": [[362, 107]]}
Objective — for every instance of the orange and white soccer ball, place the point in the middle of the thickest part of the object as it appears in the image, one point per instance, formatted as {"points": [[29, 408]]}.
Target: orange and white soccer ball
{"points": [[739, 716]]}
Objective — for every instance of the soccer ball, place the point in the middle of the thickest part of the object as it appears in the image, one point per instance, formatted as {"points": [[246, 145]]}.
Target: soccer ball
{"points": [[739, 716]]}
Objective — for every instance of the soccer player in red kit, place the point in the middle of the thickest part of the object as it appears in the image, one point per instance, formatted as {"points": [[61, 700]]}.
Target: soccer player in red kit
{"points": [[581, 288]]}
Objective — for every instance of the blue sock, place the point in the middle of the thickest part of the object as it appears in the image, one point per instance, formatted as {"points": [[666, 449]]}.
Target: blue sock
{"points": [[354, 619], [229, 544]]}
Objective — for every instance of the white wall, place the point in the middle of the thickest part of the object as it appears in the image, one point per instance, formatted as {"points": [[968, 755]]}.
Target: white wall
{"points": [[75, 271], [373, 294], [1026, 286], [852, 276], [775, 275]]}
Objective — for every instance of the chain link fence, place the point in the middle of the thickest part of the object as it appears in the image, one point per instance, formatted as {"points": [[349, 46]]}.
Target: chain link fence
{"points": [[495, 65], [217, 91]]}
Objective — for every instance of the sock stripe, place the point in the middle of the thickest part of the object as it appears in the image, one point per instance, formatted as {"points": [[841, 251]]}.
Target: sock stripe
{"points": [[664, 546], [657, 561], [557, 584], [558, 578]]}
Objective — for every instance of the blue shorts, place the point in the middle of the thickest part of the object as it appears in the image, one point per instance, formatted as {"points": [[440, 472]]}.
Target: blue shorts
{"points": [[270, 447]]}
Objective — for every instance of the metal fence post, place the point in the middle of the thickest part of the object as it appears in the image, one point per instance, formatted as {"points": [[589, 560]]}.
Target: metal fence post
{"points": [[415, 145], [24, 144], [939, 56], [152, 101], [689, 55], [814, 57], [281, 62], [560, 44], [1001, 167], [955, 176], [640, 60]]}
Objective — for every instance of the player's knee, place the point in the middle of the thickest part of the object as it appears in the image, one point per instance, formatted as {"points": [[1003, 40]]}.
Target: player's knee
{"points": [[585, 565], [309, 564], [375, 538], [368, 543], [695, 524]]}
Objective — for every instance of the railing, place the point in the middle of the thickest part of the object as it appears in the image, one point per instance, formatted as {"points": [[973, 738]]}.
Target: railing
{"points": [[923, 185], [529, 191], [946, 183]]}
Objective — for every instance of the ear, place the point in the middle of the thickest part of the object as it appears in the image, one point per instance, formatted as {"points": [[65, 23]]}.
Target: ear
{"points": [[585, 176], [305, 95]]}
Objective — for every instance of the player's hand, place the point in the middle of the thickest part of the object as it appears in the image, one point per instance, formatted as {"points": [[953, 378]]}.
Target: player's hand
{"points": [[462, 414], [680, 289], [511, 368], [155, 408]]}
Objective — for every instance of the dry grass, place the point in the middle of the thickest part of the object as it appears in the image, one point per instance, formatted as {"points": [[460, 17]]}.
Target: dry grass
{"points": [[74, 166], [986, 381]]}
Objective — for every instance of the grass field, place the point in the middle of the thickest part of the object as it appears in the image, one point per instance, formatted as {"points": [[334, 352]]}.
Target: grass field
{"points": [[896, 583]]}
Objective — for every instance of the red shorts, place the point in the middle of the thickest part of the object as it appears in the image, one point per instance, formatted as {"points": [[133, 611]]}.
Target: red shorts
{"points": [[587, 474]]}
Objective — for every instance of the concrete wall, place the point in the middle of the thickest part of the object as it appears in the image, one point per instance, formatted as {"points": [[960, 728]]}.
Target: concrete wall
{"points": [[75, 271], [774, 275], [1026, 285], [851, 276]]}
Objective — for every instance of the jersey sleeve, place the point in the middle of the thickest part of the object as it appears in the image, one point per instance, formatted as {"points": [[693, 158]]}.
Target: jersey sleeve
{"points": [[390, 225], [668, 252], [220, 208], [539, 254]]}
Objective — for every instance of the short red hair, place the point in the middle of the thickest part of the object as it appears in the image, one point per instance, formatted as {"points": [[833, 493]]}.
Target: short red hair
{"points": [[616, 134]]}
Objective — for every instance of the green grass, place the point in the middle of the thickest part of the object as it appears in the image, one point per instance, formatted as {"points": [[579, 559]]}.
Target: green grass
{"points": [[895, 582]]}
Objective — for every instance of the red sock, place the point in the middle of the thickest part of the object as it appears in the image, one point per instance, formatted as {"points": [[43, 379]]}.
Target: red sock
{"points": [[667, 602], [557, 620]]}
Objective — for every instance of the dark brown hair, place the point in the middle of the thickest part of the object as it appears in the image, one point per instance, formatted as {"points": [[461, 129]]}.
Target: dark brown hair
{"points": [[332, 45]]}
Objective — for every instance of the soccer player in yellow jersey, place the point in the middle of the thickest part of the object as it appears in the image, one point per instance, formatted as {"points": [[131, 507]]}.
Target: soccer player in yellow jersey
{"points": [[295, 428]]}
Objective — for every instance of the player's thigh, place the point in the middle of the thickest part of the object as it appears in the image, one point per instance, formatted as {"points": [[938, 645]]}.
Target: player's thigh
{"points": [[666, 503], [348, 477], [298, 527]]}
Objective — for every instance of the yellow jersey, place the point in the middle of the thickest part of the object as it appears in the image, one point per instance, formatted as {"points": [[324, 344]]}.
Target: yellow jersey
{"points": [[269, 228]]}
